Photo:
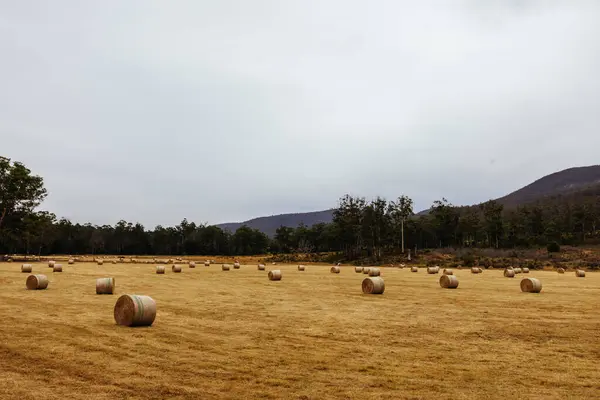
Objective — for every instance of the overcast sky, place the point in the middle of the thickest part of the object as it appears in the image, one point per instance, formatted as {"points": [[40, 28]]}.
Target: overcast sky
{"points": [[221, 111]]}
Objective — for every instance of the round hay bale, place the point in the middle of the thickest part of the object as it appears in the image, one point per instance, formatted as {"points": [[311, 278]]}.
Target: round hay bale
{"points": [[51, 264], [402, 266], [207, 263], [225, 267], [134, 310], [274, 263], [57, 268], [448, 271], [358, 269], [531, 285], [580, 273], [275, 275], [338, 264], [236, 265], [261, 267], [335, 270], [105, 285], [476, 270], [525, 270], [560, 270], [26, 268], [518, 270], [160, 269], [509, 273], [301, 267], [366, 270], [71, 261], [374, 272], [176, 268], [100, 262], [373, 285], [433, 270], [192, 264], [449, 281], [169, 261], [414, 269], [36, 282]]}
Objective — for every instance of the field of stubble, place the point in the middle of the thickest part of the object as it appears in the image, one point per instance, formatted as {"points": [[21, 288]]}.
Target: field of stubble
{"points": [[313, 335]]}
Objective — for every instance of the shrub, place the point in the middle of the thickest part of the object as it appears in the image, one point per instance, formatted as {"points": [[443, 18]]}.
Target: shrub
{"points": [[486, 262], [553, 247], [589, 264], [468, 260], [431, 263], [533, 264]]}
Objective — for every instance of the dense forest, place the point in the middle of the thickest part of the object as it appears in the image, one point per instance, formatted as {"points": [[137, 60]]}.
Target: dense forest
{"points": [[359, 229]]}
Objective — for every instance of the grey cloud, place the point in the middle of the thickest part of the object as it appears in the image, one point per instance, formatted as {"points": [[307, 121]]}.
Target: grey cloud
{"points": [[223, 111]]}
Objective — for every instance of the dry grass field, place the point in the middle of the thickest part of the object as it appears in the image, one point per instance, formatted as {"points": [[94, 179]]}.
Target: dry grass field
{"points": [[312, 335]]}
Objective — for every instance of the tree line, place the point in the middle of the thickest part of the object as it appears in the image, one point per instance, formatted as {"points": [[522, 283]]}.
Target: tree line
{"points": [[360, 229]]}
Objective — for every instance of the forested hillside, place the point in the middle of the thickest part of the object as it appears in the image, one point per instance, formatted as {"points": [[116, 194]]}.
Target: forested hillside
{"points": [[269, 225], [558, 183], [569, 180], [358, 228]]}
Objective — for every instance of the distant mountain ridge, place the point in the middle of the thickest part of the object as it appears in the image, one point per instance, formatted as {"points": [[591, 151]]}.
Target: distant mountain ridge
{"points": [[270, 224], [566, 181]]}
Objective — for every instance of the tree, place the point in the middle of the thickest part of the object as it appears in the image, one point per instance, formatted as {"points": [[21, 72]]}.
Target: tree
{"points": [[400, 210], [283, 237], [20, 191], [445, 221], [468, 226], [247, 241], [301, 239], [492, 214], [37, 230], [348, 217], [376, 226]]}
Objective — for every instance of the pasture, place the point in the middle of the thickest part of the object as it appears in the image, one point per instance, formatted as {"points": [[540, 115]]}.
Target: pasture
{"points": [[313, 335]]}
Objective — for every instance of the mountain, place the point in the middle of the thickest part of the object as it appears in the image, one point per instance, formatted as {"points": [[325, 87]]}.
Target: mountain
{"points": [[270, 224], [563, 182]]}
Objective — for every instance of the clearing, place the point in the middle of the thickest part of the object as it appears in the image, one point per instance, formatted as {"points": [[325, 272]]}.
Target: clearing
{"points": [[312, 335]]}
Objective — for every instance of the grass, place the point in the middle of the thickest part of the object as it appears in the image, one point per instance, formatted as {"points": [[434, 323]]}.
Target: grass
{"points": [[312, 335]]}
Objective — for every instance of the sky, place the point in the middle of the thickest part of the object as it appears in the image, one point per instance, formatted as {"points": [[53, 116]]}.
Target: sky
{"points": [[221, 111]]}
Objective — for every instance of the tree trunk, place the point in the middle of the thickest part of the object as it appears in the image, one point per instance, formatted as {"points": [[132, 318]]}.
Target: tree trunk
{"points": [[402, 230], [2, 216]]}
